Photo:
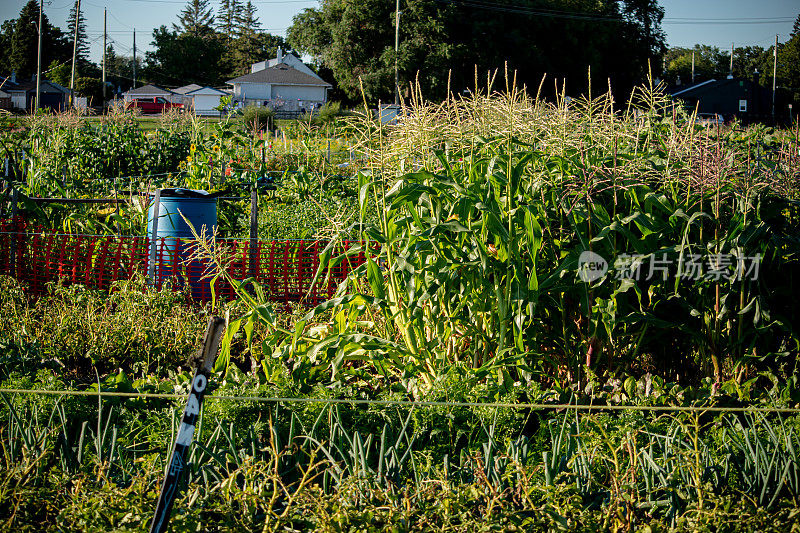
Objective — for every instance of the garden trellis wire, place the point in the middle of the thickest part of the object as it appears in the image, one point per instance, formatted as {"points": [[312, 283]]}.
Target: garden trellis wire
{"points": [[285, 269], [419, 403]]}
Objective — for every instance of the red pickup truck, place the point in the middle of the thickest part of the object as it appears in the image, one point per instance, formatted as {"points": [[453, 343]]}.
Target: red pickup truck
{"points": [[153, 105]]}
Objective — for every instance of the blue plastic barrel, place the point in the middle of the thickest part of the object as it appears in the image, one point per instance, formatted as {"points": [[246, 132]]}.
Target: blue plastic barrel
{"points": [[178, 211]]}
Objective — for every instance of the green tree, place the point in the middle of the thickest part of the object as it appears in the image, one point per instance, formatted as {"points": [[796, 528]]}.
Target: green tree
{"points": [[119, 68], [59, 72], [24, 42], [91, 88], [182, 59], [709, 63], [230, 11], [228, 15], [196, 19], [268, 45], [311, 33], [83, 67], [441, 41], [82, 50], [789, 64], [6, 43], [247, 49], [748, 59]]}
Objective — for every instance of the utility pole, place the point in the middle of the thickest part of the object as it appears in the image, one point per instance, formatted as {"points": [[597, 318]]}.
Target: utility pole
{"points": [[39, 55], [74, 53], [104, 55], [730, 72], [692, 67], [774, 75], [396, 48], [134, 58]]}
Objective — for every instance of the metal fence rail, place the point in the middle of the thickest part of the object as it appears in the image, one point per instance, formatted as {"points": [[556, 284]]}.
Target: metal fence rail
{"points": [[285, 269]]}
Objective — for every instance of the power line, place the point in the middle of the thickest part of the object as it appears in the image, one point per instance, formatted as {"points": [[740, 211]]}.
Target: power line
{"points": [[522, 10], [115, 18], [773, 19], [576, 15], [720, 22]]}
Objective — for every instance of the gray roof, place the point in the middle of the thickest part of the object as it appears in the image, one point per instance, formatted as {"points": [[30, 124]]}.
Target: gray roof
{"points": [[6, 83], [149, 89], [45, 87], [281, 74], [692, 87], [208, 90], [187, 88]]}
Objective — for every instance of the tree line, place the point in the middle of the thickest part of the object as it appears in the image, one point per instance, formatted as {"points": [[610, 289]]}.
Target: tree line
{"points": [[443, 45], [444, 42]]}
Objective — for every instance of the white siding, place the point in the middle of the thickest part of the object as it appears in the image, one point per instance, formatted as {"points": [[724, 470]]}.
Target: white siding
{"points": [[298, 92], [253, 91], [19, 100], [204, 104]]}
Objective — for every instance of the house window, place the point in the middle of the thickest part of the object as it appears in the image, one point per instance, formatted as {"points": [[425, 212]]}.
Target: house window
{"points": [[742, 106]]}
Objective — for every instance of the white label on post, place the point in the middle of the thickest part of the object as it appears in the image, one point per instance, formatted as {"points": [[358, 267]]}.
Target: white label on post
{"points": [[200, 383], [192, 406], [185, 434]]}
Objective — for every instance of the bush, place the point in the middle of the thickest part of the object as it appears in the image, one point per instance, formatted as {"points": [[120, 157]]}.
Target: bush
{"points": [[326, 115], [134, 328], [91, 88], [257, 118], [329, 112]]}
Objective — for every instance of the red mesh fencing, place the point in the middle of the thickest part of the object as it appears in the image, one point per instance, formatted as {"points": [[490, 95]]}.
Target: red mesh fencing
{"points": [[285, 269]]}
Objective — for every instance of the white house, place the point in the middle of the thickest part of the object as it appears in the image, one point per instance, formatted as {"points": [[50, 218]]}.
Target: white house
{"points": [[204, 100], [282, 87], [288, 59]]}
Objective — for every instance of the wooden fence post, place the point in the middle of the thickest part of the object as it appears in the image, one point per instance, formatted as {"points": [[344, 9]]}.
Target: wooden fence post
{"points": [[6, 185], [177, 462], [116, 208], [151, 270], [13, 251], [253, 231]]}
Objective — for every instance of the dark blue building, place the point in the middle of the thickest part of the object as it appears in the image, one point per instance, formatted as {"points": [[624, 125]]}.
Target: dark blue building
{"points": [[744, 99]]}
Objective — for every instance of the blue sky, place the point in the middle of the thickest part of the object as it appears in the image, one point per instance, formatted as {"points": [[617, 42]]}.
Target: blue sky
{"points": [[713, 22]]}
